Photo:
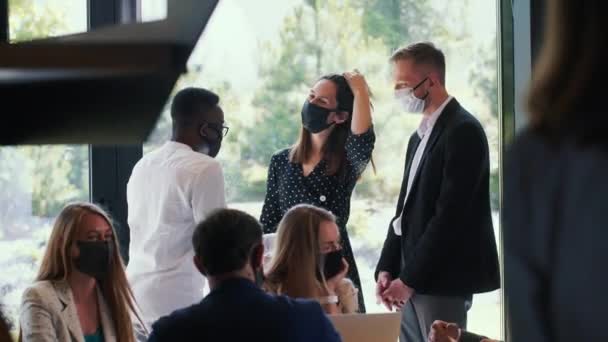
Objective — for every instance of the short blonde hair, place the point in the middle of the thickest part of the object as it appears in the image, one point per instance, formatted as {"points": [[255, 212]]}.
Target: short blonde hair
{"points": [[423, 53]]}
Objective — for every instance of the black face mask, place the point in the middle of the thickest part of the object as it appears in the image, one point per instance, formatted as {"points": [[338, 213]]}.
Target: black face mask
{"points": [[95, 258], [212, 147], [314, 118], [332, 263]]}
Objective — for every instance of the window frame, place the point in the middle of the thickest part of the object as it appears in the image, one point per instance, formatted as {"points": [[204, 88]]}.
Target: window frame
{"points": [[520, 25], [506, 99], [4, 21], [110, 166]]}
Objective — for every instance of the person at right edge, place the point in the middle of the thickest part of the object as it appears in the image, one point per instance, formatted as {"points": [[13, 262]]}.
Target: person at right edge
{"points": [[440, 248], [555, 207]]}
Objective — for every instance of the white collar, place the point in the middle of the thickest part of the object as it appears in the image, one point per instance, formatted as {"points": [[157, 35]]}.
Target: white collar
{"points": [[426, 125], [177, 145]]}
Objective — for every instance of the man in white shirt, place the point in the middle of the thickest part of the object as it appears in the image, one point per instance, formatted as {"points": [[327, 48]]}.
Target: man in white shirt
{"points": [[170, 191], [440, 247]]}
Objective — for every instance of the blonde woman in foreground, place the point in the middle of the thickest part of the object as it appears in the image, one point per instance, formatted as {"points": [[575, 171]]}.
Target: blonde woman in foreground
{"points": [[308, 262], [81, 291]]}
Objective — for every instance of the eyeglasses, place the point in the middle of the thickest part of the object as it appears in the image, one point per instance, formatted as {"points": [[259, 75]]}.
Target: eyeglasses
{"points": [[219, 128]]}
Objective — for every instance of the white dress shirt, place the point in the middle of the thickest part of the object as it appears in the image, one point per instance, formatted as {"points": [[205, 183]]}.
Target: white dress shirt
{"points": [[424, 132], [170, 190]]}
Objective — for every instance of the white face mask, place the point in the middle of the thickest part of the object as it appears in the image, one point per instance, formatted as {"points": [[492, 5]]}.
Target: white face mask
{"points": [[408, 101]]}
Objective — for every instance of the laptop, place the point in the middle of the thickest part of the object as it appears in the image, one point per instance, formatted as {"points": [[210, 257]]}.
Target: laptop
{"points": [[377, 327]]}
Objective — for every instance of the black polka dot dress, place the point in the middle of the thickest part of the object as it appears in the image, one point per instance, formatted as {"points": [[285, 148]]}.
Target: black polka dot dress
{"points": [[287, 186]]}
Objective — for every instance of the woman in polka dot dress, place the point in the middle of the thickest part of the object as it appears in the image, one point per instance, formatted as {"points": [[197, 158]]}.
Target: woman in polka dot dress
{"points": [[333, 149]]}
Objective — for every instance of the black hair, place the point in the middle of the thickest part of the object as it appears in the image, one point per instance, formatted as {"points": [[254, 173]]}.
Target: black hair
{"points": [[344, 95], [225, 240], [334, 149], [190, 102]]}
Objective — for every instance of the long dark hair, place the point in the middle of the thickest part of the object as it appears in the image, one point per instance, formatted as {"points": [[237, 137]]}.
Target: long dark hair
{"points": [[333, 149], [566, 97]]}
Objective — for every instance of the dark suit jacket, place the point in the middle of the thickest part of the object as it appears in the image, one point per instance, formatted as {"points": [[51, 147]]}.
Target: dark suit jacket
{"points": [[448, 245], [555, 237], [239, 311]]}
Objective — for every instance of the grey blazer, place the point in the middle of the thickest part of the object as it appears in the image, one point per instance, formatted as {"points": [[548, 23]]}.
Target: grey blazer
{"points": [[48, 313], [555, 236]]}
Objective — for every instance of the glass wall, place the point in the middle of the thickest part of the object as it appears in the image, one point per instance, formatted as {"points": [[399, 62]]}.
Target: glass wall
{"points": [[30, 19], [263, 56], [36, 181]]}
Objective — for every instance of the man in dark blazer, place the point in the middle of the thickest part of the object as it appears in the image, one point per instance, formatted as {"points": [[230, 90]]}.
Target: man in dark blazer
{"points": [[440, 248], [229, 251]]}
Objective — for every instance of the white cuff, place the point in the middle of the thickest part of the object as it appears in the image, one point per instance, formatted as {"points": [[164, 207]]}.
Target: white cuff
{"points": [[397, 226], [328, 300]]}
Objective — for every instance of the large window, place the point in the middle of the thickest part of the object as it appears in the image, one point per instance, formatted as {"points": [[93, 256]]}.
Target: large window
{"points": [[36, 181], [31, 19], [261, 57]]}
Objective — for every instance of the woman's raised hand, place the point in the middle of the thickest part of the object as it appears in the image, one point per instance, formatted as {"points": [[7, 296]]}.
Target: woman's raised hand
{"points": [[357, 82]]}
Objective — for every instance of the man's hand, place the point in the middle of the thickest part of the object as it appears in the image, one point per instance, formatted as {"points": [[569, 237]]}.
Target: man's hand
{"points": [[384, 281], [444, 332], [397, 293]]}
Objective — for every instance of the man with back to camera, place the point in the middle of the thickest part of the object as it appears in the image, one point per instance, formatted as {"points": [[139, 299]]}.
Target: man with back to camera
{"points": [[170, 190], [440, 248], [229, 251]]}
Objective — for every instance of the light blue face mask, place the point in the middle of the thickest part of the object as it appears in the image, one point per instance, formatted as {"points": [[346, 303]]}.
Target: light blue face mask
{"points": [[408, 101]]}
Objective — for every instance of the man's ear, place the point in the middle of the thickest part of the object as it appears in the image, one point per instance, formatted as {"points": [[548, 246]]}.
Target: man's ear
{"points": [[199, 265], [434, 79], [201, 130]]}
